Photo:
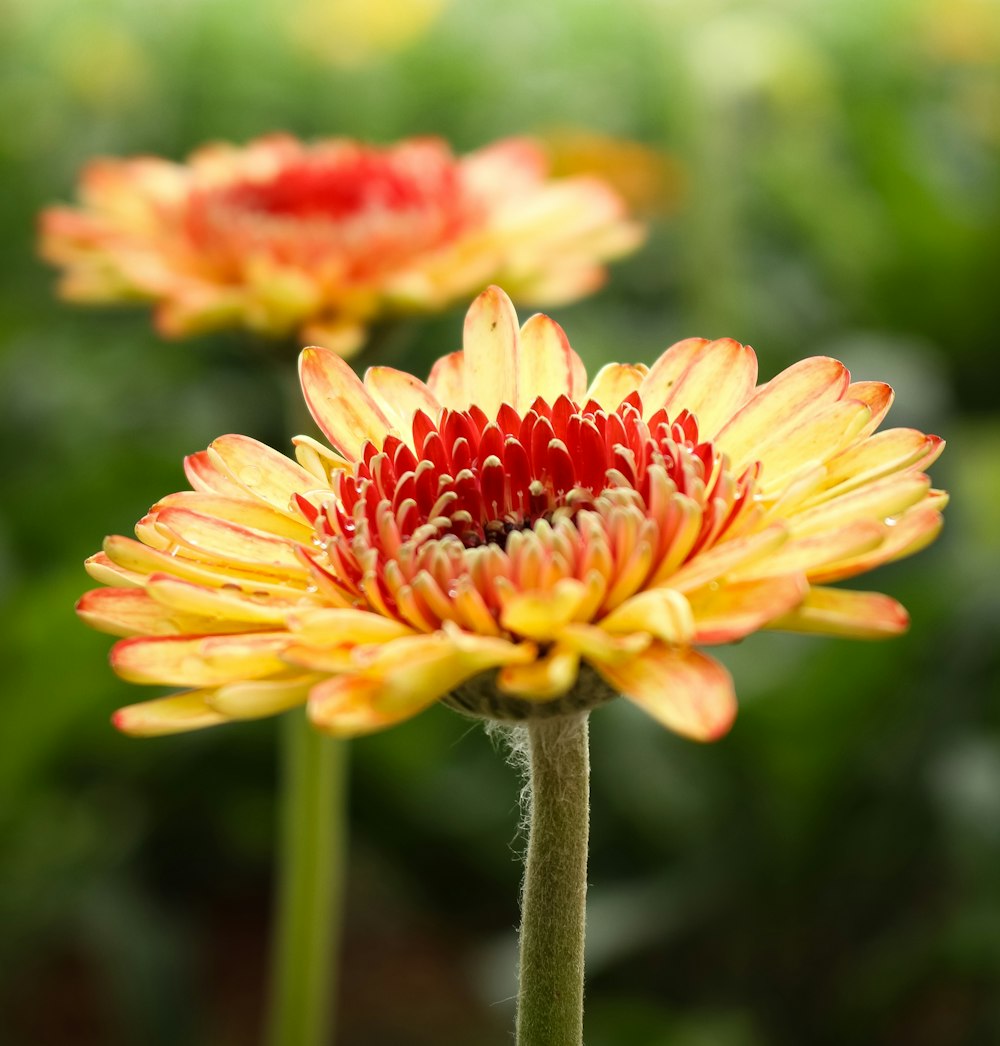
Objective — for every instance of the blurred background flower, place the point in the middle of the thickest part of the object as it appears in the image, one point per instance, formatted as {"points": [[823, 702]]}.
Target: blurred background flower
{"points": [[318, 240], [828, 872]]}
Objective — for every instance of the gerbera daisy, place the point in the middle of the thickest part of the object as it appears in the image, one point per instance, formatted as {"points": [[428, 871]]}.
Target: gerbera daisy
{"points": [[322, 239], [514, 540]]}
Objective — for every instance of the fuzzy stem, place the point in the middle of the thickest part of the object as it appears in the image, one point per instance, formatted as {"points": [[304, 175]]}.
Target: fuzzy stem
{"points": [[310, 884], [553, 901]]}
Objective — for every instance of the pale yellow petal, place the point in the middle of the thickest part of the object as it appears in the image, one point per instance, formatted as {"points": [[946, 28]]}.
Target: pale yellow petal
{"points": [[257, 515], [253, 699], [540, 615], [686, 691], [490, 343], [737, 608], [342, 406], [168, 715], [228, 607], [840, 612], [199, 660], [615, 382], [601, 647], [447, 381], [132, 612], [399, 396], [662, 612], [547, 365], [345, 625], [262, 472], [542, 680], [718, 379], [727, 556], [781, 404], [405, 677]]}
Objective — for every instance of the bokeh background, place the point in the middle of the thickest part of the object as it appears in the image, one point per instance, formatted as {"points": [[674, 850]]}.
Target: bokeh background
{"points": [[819, 178]]}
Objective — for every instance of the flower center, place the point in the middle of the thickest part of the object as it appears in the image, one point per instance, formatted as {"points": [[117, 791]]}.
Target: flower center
{"points": [[442, 525]]}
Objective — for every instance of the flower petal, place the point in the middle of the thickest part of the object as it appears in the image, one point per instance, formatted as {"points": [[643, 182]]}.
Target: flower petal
{"points": [[738, 608], [490, 343], [229, 608], [168, 715], [399, 396], [257, 515], [547, 365], [341, 405], [540, 615], [131, 612], [686, 691], [615, 382], [780, 405], [260, 471], [252, 699], [541, 680], [840, 612], [204, 474], [447, 381], [408, 675], [199, 660], [717, 380], [662, 612]]}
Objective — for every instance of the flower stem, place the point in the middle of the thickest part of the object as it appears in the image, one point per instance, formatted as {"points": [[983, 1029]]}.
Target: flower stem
{"points": [[553, 901], [310, 885]]}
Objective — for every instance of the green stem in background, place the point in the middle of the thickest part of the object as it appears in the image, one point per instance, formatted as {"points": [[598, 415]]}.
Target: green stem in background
{"points": [[553, 902], [310, 885]]}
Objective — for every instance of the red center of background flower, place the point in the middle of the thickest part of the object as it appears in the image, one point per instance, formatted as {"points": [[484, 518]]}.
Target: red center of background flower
{"points": [[342, 186], [354, 210], [553, 478]]}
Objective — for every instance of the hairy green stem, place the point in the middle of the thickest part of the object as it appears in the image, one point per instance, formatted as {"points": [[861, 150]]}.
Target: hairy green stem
{"points": [[554, 898], [310, 884]]}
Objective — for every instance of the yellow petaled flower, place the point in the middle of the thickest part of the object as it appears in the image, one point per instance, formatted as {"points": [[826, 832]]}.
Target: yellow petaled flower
{"points": [[321, 239], [514, 540]]}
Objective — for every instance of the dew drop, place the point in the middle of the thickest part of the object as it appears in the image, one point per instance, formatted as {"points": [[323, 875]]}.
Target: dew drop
{"points": [[250, 476], [891, 521]]}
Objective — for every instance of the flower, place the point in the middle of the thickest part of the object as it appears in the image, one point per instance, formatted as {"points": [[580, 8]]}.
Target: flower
{"points": [[513, 541], [322, 239]]}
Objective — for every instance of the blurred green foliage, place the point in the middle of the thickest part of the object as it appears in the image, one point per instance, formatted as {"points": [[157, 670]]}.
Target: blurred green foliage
{"points": [[829, 873]]}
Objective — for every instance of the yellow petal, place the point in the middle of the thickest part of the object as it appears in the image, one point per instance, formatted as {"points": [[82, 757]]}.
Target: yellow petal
{"points": [[727, 556], [168, 715], [883, 499], [101, 569], [134, 559], [737, 608], [542, 680], [199, 660], [262, 472], [781, 404], [405, 677], [876, 395], [716, 381], [399, 396], [345, 625], [342, 406], [909, 533], [615, 382], [541, 615], [686, 691], [804, 555], [816, 438], [600, 647], [229, 608], [253, 699], [490, 343], [546, 364], [662, 612], [132, 612], [447, 381], [242, 511], [206, 474], [882, 454], [840, 612], [226, 542]]}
